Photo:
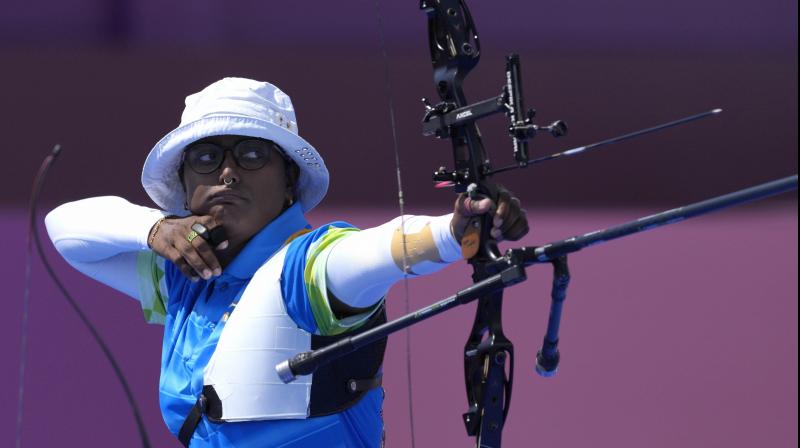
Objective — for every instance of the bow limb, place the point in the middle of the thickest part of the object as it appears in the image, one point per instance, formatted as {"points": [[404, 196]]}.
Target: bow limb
{"points": [[35, 240]]}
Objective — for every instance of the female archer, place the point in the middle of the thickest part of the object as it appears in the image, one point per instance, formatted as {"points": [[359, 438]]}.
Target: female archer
{"points": [[239, 279]]}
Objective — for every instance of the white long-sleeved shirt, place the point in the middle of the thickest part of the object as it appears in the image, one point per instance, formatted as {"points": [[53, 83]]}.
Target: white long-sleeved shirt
{"points": [[103, 236]]}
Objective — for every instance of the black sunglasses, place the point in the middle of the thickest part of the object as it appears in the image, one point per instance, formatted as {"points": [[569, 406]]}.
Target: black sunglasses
{"points": [[249, 154]]}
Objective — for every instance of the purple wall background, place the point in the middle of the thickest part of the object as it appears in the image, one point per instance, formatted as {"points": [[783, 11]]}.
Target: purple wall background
{"points": [[107, 79], [704, 351]]}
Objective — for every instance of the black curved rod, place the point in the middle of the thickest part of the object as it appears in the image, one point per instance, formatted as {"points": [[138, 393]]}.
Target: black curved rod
{"points": [[34, 231]]}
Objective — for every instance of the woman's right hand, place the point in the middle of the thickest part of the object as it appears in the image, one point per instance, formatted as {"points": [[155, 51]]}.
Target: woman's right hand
{"points": [[195, 259]]}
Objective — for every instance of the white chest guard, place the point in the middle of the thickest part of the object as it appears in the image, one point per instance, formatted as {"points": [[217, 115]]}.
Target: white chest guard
{"points": [[257, 336]]}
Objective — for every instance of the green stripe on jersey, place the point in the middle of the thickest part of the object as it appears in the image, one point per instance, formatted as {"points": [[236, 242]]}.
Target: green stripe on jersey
{"points": [[314, 276], [152, 286]]}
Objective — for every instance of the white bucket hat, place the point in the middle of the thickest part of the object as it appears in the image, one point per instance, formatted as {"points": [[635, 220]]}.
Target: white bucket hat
{"points": [[233, 106]]}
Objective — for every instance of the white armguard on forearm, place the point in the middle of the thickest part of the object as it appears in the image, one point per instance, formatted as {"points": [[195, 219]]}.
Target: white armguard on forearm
{"points": [[362, 267]]}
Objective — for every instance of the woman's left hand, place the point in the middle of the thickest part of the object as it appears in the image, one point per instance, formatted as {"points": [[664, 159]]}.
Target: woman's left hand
{"points": [[509, 223]]}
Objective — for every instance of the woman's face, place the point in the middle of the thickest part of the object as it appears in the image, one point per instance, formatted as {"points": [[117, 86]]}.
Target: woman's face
{"points": [[251, 200]]}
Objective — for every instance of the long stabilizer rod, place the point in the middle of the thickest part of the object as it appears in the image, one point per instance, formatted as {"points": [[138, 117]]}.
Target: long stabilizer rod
{"points": [[557, 249]]}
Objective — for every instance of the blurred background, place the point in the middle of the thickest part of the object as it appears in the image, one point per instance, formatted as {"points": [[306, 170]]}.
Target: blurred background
{"points": [[686, 336]]}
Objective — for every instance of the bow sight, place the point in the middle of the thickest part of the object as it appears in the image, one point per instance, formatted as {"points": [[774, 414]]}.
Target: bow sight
{"points": [[455, 49], [441, 119]]}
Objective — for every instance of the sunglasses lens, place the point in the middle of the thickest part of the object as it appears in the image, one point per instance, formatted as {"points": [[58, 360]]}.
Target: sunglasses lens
{"points": [[253, 154], [204, 158]]}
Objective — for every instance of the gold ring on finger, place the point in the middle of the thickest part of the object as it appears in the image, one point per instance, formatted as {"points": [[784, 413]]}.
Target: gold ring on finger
{"points": [[191, 236]]}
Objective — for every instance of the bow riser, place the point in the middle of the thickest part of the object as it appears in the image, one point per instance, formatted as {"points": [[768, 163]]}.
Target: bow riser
{"points": [[488, 354]]}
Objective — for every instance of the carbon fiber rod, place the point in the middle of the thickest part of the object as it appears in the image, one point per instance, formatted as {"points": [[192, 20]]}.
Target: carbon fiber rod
{"points": [[551, 251]]}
